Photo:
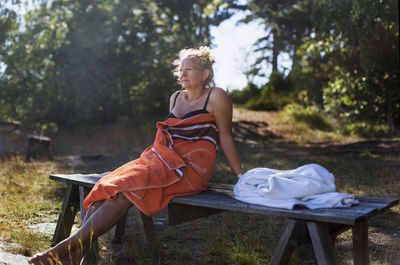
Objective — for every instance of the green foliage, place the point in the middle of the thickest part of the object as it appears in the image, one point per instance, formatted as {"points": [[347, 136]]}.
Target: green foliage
{"points": [[365, 129], [269, 100], [251, 91], [345, 54], [361, 101], [98, 62], [310, 116], [8, 24], [286, 23], [273, 96], [279, 83], [355, 54], [92, 62]]}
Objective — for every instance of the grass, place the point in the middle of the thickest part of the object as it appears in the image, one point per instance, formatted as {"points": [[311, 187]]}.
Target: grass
{"points": [[26, 199], [265, 139]]}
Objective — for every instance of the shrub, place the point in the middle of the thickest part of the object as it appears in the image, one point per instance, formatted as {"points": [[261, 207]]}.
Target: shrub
{"points": [[309, 115], [279, 83], [268, 100], [251, 91], [365, 129], [277, 93]]}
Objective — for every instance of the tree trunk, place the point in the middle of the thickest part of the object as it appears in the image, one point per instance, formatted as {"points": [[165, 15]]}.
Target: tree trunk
{"points": [[275, 51], [389, 119]]}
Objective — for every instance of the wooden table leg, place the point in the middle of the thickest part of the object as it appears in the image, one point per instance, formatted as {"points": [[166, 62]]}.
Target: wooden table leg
{"points": [[360, 243], [83, 192], [284, 249], [322, 243], [68, 211], [91, 255], [147, 230], [301, 235], [120, 229]]}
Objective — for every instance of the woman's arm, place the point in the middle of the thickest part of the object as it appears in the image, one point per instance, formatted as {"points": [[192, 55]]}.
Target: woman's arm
{"points": [[221, 106]]}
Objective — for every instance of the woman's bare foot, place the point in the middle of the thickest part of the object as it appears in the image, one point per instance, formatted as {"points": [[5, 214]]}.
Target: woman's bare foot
{"points": [[52, 258], [70, 251], [47, 258]]}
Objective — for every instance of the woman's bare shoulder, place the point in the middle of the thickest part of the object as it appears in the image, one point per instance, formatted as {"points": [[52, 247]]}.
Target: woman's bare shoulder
{"points": [[219, 100], [172, 99], [218, 90], [219, 94], [173, 95]]}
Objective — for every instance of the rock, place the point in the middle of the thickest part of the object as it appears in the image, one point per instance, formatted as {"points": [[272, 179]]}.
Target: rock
{"points": [[47, 228], [12, 259]]}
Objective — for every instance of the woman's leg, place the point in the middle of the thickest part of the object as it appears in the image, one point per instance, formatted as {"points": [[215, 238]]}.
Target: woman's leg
{"points": [[92, 208], [98, 220], [90, 211], [73, 253]]}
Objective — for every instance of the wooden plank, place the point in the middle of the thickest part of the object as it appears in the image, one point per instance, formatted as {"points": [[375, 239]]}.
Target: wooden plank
{"points": [[222, 201], [369, 206], [68, 211], [389, 202], [180, 213], [146, 229], [322, 243], [220, 186], [120, 229], [230, 193], [91, 256], [381, 204], [301, 235], [284, 249], [83, 192], [360, 244], [377, 199], [86, 180]]}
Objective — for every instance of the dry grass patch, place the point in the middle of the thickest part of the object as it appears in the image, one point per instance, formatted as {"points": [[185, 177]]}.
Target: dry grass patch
{"points": [[26, 199]]}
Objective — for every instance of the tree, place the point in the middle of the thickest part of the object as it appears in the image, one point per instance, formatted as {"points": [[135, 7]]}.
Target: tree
{"points": [[361, 46], [286, 23], [8, 27], [95, 61]]}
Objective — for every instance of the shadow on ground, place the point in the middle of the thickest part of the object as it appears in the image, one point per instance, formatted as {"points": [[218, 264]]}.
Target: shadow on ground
{"points": [[252, 131]]}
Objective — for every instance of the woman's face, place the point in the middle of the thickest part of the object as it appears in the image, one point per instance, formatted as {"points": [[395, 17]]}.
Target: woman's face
{"points": [[191, 75]]}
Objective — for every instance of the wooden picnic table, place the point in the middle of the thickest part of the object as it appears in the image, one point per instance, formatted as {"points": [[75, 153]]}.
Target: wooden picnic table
{"points": [[318, 227]]}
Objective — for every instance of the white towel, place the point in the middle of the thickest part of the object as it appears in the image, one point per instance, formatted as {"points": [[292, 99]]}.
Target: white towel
{"points": [[310, 185]]}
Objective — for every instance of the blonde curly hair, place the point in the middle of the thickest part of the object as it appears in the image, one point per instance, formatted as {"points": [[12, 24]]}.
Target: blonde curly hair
{"points": [[203, 56]]}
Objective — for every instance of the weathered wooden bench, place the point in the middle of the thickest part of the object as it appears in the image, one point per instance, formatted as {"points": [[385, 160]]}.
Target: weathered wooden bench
{"points": [[318, 227]]}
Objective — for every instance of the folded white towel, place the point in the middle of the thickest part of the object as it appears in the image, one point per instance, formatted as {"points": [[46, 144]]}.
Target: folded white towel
{"points": [[310, 185]]}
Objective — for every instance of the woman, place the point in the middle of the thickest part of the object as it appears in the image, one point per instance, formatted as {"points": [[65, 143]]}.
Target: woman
{"points": [[179, 163]]}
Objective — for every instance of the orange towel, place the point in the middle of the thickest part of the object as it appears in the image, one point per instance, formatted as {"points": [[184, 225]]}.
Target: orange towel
{"points": [[180, 162]]}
